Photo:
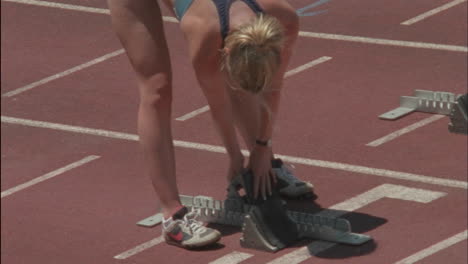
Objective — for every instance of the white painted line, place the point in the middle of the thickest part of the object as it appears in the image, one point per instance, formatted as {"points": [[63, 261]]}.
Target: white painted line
{"points": [[219, 149], [434, 248], [63, 74], [292, 72], [432, 12], [399, 43], [386, 190], [403, 131], [306, 66], [232, 258], [76, 8], [375, 172], [355, 203], [192, 114], [48, 176], [386, 42], [140, 248], [61, 6]]}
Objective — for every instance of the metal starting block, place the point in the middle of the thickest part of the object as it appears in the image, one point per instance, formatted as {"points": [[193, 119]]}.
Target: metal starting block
{"points": [[422, 101], [459, 117], [443, 103], [234, 212]]}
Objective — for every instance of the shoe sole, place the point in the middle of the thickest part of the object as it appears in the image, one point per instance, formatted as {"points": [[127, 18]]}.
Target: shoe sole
{"points": [[204, 244]]}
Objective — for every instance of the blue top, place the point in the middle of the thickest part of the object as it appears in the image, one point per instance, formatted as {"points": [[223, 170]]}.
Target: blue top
{"points": [[223, 11], [222, 6]]}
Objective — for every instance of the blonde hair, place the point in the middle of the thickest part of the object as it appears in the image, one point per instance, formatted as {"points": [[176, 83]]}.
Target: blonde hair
{"points": [[253, 54]]}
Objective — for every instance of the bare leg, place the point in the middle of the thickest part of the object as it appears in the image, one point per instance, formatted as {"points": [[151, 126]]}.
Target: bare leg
{"points": [[139, 27]]}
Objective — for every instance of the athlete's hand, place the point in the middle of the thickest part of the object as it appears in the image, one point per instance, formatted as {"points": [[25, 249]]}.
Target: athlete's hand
{"points": [[260, 164], [236, 165]]}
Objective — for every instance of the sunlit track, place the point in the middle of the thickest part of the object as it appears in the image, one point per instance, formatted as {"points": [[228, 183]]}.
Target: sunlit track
{"points": [[432, 12], [63, 74], [318, 35], [69, 97], [48, 176], [220, 149]]}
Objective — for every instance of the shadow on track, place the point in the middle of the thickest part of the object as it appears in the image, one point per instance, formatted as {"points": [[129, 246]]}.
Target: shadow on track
{"points": [[360, 223]]}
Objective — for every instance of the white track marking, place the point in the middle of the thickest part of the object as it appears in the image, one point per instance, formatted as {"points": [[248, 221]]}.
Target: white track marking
{"points": [[292, 72], [192, 114], [76, 8], [403, 131], [219, 149], [432, 12], [61, 6], [232, 258], [387, 42], [306, 66], [48, 176], [139, 248], [355, 203], [63, 74], [434, 248]]}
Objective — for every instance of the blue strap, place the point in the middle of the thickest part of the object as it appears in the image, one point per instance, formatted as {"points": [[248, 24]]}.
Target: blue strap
{"points": [[223, 11]]}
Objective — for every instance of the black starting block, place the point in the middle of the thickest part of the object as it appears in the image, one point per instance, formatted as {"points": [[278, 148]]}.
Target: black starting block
{"points": [[266, 224], [459, 116]]}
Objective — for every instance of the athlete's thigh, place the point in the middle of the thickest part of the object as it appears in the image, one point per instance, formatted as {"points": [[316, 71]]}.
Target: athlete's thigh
{"points": [[139, 26]]}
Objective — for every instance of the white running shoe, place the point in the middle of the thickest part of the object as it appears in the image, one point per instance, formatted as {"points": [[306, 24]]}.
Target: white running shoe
{"points": [[184, 230]]}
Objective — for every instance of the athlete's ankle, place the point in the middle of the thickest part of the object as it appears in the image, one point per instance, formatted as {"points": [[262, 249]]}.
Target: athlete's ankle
{"points": [[169, 212]]}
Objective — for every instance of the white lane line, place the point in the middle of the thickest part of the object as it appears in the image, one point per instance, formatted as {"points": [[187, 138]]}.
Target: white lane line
{"points": [[404, 130], [192, 114], [61, 6], [76, 8], [432, 12], [63, 74], [48, 176], [232, 258], [434, 248], [140, 248], [353, 204], [306, 66], [290, 73], [219, 149], [387, 42]]}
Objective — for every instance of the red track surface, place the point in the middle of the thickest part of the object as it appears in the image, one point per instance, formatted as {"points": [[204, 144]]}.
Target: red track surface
{"points": [[329, 113]]}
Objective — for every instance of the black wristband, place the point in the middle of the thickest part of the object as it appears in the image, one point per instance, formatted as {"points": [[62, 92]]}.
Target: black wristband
{"points": [[266, 143]]}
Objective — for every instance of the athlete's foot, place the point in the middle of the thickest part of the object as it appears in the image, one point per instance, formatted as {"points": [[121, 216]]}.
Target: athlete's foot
{"points": [[184, 230]]}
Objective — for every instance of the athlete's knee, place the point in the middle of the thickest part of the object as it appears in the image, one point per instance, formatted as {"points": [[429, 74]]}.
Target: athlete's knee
{"points": [[156, 90]]}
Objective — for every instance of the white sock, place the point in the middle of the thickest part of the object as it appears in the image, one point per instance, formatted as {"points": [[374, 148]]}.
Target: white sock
{"points": [[166, 222]]}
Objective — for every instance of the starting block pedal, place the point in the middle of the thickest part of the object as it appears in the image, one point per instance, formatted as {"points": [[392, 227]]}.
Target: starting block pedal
{"points": [[235, 212], [256, 236], [444, 103]]}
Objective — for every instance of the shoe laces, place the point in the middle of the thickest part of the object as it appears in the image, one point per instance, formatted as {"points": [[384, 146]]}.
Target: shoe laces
{"points": [[194, 225]]}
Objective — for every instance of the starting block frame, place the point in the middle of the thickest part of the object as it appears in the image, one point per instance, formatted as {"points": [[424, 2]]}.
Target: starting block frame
{"points": [[233, 211], [444, 103], [422, 101]]}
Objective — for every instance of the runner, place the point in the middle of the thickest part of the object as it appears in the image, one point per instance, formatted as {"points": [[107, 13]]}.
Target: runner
{"points": [[239, 50]]}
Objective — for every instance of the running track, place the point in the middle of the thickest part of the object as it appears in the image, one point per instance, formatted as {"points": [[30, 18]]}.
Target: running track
{"points": [[72, 179]]}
